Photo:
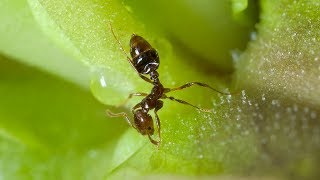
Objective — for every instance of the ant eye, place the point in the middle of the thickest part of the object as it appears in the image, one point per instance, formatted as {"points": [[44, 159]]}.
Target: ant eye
{"points": [[149, 128]]}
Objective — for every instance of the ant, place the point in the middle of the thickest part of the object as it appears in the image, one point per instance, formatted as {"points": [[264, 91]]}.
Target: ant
{"points": [[145, 61]]}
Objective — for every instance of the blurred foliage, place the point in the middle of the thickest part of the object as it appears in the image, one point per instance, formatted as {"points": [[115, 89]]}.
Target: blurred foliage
{"points": [[53, 128]]}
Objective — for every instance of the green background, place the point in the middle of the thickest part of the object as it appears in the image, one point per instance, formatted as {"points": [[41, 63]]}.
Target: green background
{"points": [[61, 69]]}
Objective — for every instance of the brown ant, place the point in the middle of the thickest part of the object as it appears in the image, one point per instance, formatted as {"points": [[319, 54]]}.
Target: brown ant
{"points": [[145, 61]]}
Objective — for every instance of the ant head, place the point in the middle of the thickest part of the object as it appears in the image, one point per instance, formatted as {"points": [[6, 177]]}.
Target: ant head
{"points": [[143, 122], [145, 58]]}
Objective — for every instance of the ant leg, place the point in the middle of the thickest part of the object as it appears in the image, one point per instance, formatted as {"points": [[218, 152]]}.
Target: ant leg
{"points": [[130, 96], [128, 58], [135, 107], [186, 103], [157, 108], [153, 141], [145, 78], [122, 114], [194, 83]]}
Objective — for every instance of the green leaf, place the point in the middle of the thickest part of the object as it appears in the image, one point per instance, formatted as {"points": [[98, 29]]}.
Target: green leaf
{"points": [[49, 125], [269, 127], [280, 72], [22, 39]]}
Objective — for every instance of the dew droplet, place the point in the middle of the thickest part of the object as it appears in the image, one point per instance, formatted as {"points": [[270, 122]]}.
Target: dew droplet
{"points": [[103, 82], [235, 54], [200, 156], [313, 115], [238, 117], [108, 90], [295, 108], [275, 103], [253, 36]]}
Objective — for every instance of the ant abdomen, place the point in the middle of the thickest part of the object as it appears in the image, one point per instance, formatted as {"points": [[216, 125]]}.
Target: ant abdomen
{"points": [[138, 45], [144, 58]]}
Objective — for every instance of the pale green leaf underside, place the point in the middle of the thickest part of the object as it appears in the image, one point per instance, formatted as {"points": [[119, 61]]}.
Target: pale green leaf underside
{"points": [[270, 127]]}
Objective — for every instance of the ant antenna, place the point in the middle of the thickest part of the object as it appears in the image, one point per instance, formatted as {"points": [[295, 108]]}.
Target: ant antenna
{"points": [[118, 41]]}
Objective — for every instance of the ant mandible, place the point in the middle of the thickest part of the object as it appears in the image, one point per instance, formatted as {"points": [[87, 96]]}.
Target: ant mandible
{"points": [[145, 60]]}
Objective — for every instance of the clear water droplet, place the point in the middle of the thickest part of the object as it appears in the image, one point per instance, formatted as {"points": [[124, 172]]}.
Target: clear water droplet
{"points": [[313, 115], [253, 36], [103, 82], [108, 90]]}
